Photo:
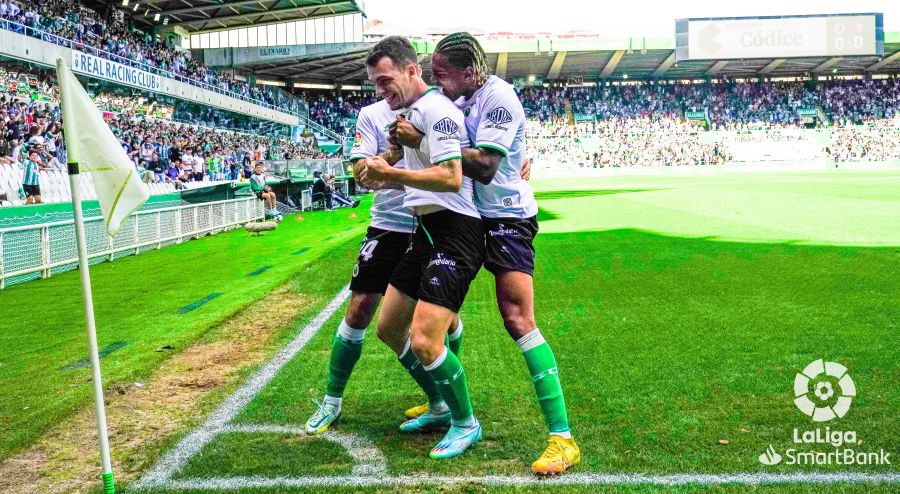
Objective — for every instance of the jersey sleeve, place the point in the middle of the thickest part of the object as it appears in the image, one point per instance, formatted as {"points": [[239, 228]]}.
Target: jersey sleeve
{"points": [[444, 126], [365, 144], [501, 117]]}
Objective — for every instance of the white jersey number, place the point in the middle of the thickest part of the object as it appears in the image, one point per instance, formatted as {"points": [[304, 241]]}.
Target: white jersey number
{"points": [[367, 250]]}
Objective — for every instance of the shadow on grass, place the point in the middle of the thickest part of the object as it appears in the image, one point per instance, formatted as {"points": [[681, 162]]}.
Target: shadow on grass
{"points": [[547, 215], [573, 194], [704, 336]]}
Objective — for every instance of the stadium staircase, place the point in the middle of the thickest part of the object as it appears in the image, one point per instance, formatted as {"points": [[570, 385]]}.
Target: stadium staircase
{"points": [[329, 140], [822, 116], [567, 104]]}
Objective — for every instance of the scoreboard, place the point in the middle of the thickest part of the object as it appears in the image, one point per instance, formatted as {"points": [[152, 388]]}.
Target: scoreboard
{"points": [[779, 36]]}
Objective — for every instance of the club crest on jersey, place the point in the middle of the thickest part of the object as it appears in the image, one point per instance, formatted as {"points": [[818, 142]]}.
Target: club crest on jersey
{"points": [[446, 125], [358, 137], [499, 116]]}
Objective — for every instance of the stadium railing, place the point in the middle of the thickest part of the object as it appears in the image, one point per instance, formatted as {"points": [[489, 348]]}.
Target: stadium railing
{"points": [[39, 249], [302, 169], [316, 126], [300, 172], [75, 45]]}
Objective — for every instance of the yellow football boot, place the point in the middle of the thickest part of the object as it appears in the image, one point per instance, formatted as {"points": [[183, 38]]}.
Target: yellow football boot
{"points": [[416, 411], [560, 455]]}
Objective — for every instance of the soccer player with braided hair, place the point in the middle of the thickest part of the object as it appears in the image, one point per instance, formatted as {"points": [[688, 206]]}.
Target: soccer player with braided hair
{"points": [[495, 122]]}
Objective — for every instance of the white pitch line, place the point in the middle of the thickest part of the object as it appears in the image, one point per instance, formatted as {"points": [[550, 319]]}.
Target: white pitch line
{"points": [[191, 444], [368, 460], [234, 483], [370, 466]]}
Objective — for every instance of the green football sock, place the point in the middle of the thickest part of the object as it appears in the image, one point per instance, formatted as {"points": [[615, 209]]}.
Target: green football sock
{"points": [[450, 378], [414, 367], [545, 376], [346, 347], [454, 340]]}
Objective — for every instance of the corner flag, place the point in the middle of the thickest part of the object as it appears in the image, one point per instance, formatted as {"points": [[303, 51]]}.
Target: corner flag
{"points": [[93, 147], [91, 144]]}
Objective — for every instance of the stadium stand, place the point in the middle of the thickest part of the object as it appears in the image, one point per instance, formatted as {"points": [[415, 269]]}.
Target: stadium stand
{"points": [[602, 124], [731, 105], [108, 35], [31, 112], [636, 125], [643, 124], [338, 111]]}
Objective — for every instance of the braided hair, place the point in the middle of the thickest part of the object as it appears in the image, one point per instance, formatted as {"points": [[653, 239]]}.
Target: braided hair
{"points": [[462, 50]]}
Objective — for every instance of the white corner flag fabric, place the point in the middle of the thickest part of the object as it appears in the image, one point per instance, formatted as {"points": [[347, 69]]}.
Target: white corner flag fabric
{"points": [[91, 144]]}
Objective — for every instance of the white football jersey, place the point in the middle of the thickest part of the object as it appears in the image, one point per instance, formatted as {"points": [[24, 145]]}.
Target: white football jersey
{"points": [[495, 119], [388, 212], [434, 115]]}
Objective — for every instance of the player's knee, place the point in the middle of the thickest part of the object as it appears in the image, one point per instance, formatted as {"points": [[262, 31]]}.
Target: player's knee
{"points": [[356, 321], [360, 312], [384, 332], [425, 349], [518, 323]]}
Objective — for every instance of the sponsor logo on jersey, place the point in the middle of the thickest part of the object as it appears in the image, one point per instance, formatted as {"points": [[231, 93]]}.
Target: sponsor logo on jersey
{"points": [[440, 260], [446, 125], [502, 231], [499, 116]]}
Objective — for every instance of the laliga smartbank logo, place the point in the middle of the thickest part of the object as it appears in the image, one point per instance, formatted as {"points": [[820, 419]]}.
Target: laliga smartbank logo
{"points": [[824, 391], [816, 401]]}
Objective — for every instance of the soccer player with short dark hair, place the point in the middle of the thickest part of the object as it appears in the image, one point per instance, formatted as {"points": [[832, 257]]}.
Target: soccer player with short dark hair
{"points": [[447, 249], [495, 121], [386, 240]]}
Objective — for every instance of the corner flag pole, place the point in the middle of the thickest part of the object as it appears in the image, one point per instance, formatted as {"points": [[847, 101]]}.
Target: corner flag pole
{"points": [[91, 145], [109, 484]]}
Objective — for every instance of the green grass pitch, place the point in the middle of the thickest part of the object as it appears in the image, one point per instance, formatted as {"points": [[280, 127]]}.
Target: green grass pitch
{"points": [[680, 309]]}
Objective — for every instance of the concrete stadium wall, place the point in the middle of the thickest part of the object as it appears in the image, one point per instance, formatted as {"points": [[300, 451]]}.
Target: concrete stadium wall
{"points": [[40, 52]]}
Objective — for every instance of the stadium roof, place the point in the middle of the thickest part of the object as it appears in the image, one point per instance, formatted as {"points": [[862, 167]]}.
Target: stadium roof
{"points": [[562, 58], [199, 15], [591, 59], [331, 63]]}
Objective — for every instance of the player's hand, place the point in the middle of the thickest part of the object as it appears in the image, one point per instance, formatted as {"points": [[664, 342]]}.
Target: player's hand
{"points": [[526, 169], [393, 154], [375, 170], [405, 134]]}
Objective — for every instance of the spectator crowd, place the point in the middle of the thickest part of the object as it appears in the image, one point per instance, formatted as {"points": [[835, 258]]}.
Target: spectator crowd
{"points": [[620, 125], [337, 111], [731, 105], [620, 142], [161, 149], [68, 22], [643, 124]]}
